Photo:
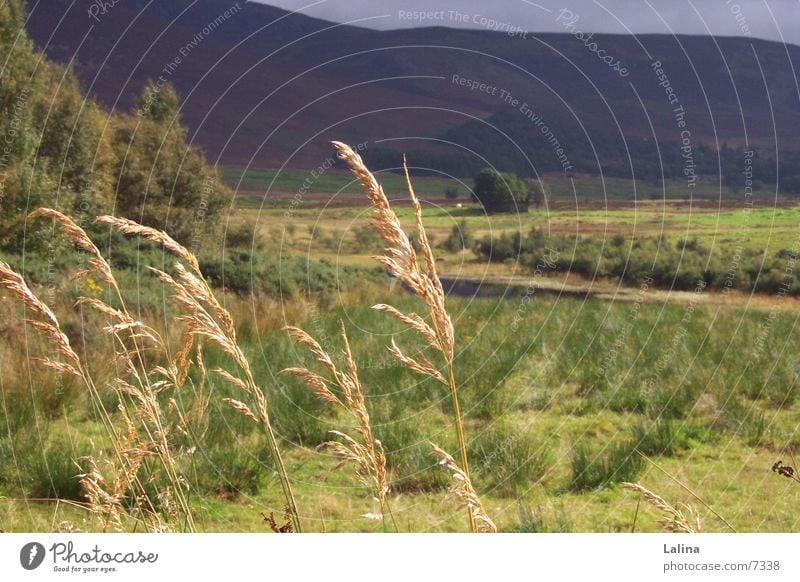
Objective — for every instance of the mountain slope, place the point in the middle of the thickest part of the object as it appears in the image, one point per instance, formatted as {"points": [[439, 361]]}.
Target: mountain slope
{"points": [[266, 87]]}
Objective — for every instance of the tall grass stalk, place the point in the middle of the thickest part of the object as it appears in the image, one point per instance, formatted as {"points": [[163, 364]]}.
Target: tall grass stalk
{"points": [[368, 455], [146, 387], [400, 260], [206, 318], [130, 449]]}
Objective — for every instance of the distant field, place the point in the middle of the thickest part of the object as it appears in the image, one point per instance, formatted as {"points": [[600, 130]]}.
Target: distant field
{"points": [[341, 234], [252, 184]]}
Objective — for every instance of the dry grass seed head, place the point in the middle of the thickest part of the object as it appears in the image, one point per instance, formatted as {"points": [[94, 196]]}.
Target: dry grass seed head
{"points": [[401, 258], [14, 282], [231, 379], [421, 365], [153, 235], [316, 383], [57, 339], [320, 354], [414, 322], [462, 490], [59, 367], [50, 328], [79, 237], [676, 519], [242, 408], [368, 456]]}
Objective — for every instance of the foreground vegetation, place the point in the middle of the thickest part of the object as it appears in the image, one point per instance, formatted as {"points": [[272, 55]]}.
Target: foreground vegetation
{"points": [[217, 387], [551, 411], [562, 401]]}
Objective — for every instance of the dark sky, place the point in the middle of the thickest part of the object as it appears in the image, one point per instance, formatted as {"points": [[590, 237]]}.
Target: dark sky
{"points": [[771, 19]]}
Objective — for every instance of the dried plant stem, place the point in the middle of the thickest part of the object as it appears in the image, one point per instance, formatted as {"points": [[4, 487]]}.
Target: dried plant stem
{"points": [[418, 275], [206, 317], [275, 451], [676, 520], [367, 455], [462, 444]]}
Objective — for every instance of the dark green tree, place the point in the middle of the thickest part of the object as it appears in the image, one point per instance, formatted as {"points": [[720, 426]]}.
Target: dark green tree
{"points": [[451, 193], [500, 192]]}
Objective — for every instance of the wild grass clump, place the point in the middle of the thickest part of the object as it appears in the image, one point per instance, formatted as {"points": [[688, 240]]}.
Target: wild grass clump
{"points": [[408, 453], [40, 460], [205, 318], [129, 448], [660, 437], [594, 468], [549, 519], [743, 418], [233, 460], [53, 472], [148, 420], [510, 460]]}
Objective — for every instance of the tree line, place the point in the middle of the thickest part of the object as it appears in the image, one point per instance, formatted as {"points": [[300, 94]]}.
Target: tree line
{"points": [[61, 149]]}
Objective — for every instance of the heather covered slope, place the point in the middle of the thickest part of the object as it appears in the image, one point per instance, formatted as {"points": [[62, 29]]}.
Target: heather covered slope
{"points": [[264, 85]]}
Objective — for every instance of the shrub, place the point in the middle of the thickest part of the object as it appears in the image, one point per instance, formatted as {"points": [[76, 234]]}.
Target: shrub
{"points": [[538, 521], [460, 238], [596, 469], [52, 473], [510, 460], [662, 436], [408, 454], [227, 468]]}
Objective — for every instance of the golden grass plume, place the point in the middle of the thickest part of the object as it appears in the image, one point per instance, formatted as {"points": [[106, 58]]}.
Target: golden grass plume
{"points": [[420, 276], [462, 489], [366, 454], [675, 520]]}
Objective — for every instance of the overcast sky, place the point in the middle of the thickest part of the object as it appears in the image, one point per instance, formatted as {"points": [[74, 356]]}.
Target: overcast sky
{"points": [[770, 19]]}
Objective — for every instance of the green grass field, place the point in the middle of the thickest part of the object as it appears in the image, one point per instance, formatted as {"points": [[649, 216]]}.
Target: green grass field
{"points": [[253, 183], [758, 240], [564, 396], [542, 379]]}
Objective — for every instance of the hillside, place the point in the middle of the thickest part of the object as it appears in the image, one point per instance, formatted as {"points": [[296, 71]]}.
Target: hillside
{"points": [[264, 87]]}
